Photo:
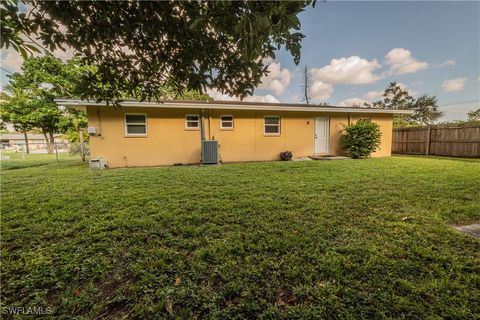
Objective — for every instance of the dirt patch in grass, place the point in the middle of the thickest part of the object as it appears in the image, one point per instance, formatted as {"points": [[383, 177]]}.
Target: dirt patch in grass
{"points": [[285, 297], [471, 229]]}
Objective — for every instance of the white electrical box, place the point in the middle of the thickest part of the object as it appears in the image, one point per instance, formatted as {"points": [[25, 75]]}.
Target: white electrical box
{"points": [[92, 130], [98, 164]]}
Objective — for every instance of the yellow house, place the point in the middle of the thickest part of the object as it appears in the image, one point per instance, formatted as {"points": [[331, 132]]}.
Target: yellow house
{"points": [[171, 132]]}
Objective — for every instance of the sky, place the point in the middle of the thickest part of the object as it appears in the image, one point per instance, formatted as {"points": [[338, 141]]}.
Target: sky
{"points": [[355, 49]]}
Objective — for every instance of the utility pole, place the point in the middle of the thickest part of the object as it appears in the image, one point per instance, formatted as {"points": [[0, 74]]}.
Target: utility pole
{"points": [[306, 86]]}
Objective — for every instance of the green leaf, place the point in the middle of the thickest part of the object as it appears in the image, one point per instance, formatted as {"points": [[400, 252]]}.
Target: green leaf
{"points": [[23, 52]]}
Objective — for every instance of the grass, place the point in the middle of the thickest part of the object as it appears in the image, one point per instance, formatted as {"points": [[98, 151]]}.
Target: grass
{"points": [[18, 160], [318, 239]]}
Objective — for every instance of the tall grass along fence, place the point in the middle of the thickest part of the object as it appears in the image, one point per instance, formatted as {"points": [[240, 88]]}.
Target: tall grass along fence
{"points": [[455, 141]]}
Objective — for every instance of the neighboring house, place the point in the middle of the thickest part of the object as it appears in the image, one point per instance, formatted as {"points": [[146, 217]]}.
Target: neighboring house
{"points": [[36, 141], [170, 132]]}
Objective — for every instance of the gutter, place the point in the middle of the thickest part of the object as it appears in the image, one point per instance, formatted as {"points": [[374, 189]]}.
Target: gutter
{"points": [[226, 105], [202, 124]]}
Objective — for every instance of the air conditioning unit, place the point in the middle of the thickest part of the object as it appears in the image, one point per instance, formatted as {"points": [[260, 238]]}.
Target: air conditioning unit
{"points": [[98, 164], [209, 152]]}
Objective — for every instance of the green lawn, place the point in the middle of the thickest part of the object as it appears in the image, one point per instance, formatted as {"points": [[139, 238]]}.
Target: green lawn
{"points": [[18, 160], [332, 239]]}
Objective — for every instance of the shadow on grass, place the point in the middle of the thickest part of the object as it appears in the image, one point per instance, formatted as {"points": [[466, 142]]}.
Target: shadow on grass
{"points": [[16, 165], [436, 157]]}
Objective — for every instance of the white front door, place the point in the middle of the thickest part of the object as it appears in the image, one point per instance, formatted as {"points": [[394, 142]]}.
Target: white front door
{"points": [[321, 134]]}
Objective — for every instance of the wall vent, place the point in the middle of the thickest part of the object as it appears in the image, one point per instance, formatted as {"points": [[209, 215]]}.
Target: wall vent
{"points": [[209, 151]]}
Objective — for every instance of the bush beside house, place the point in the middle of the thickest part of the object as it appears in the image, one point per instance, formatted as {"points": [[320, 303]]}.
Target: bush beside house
{"points": [[286, 155], [362, 138]]}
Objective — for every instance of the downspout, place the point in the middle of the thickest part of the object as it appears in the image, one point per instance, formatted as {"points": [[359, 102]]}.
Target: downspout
{"points": [[209, 124], [202, 133], [202, 124], [99, 122]]}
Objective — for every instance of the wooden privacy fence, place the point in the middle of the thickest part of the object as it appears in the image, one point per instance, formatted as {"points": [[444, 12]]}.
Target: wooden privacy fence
{"points": [[455, 141]]}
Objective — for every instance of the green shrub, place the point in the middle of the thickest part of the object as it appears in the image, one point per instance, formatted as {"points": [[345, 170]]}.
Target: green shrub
{"points": [[361, 139]]}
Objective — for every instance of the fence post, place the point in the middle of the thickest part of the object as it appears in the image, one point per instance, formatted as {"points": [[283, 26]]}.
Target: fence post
{"points": [[427, 147], [56, 150]]}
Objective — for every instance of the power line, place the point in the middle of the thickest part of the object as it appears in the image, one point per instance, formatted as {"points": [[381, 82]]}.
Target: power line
{"points": [[457, 103], [6, 70]]}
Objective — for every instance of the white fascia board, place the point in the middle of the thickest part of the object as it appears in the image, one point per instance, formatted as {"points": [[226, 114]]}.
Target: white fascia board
{"points": [[81, 105]]}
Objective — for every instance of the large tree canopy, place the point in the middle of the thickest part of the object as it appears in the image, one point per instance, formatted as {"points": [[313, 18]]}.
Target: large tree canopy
{"points": [[31, 103], [141, 46], [474, 115], [425, 108], [395, 97]]}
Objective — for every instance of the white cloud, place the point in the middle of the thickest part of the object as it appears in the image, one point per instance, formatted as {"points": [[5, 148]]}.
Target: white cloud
{"points": [[453, 85], [320, 90], [370, 95], [277, 79], [354, 102], [11, 60], [351, 70], [64, 55], [216, 95], [266, 98], [402, 62], [448, 63]]}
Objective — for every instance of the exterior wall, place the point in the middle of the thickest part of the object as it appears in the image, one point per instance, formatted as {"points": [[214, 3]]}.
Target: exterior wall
{"points": [[168, 142], [386, 126], [247, 141]]}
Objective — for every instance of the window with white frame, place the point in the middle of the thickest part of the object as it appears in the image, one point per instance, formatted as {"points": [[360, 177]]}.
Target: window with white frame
{"points": [[272, 125], [192, 121], [135, 124], [226, 122]]}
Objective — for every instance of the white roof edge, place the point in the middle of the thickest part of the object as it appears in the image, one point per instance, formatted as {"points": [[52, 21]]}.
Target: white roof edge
{"points": [[233, 106]]}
